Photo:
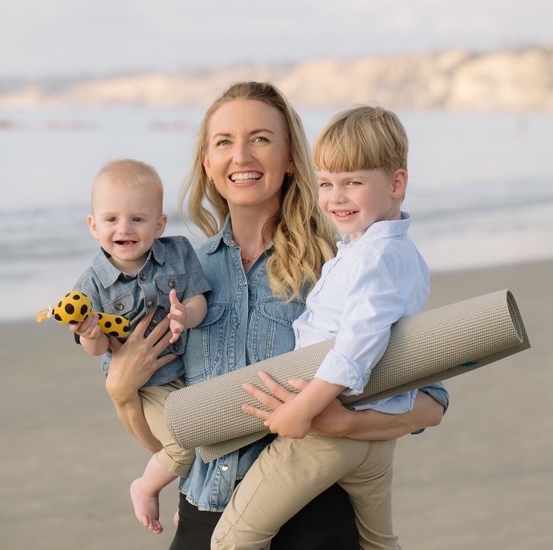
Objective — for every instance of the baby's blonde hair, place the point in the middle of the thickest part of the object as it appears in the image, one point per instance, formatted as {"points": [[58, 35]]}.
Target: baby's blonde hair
{"points": [[362, 138], [130, 173]]}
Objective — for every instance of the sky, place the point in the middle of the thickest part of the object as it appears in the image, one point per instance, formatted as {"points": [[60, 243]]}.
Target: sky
{"points": [[69, 38]]}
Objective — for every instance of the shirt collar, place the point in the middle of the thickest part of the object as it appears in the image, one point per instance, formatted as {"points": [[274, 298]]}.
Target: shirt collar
{"points": [[108, 273], [380, 230]]}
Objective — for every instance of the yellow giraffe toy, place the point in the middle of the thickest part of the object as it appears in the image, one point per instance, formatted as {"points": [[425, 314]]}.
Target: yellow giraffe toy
{"points": [[75, 307]]}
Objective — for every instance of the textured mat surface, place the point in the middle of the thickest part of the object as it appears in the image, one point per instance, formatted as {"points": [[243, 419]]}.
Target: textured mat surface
{"points": [[424, 348]]}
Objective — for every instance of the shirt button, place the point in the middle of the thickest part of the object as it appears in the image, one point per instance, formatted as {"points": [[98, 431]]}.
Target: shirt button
{"points": [[150, 304], [119, 306], [224, 467], [142, 277], [171, 284]]}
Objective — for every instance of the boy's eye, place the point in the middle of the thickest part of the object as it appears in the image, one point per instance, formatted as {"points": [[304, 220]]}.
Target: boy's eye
{"points": [[325, 184], [354, 183]]}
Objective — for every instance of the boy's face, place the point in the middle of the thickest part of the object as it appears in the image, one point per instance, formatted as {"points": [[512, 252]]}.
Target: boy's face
{"points": [[126, 221], [353, 201]]}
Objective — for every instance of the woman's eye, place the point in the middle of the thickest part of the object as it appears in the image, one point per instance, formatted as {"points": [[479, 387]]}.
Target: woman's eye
{"points": [[260, 139], [222, 142]]}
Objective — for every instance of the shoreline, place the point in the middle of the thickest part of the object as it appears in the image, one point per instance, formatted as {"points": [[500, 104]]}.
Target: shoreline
{"points": [[482, 479]]}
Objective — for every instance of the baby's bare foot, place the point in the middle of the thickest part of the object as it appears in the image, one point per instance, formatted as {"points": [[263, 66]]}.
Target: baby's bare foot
{"points": [[146, 508]]}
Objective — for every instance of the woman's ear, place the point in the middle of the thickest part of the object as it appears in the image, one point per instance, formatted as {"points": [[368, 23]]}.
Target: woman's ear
{"points": [[207, 166], [399, 183]]}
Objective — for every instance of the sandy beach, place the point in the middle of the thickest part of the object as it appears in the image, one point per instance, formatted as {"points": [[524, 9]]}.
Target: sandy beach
{"points": [[483, 479]]}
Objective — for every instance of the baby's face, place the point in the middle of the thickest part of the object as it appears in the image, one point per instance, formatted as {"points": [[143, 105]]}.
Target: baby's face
{"points": [[126, 221]]}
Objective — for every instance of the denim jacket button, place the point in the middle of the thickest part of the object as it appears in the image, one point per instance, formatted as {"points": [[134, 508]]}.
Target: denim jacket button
{"points": [[224, 467], [150, 304], [142, 277]]}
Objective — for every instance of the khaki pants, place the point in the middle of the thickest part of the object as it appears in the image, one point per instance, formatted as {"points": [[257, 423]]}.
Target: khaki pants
{"points": [[289, 473], [172, 457]]}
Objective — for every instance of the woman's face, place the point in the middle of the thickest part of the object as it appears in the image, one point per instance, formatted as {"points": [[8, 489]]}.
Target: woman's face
{"points": [[247, 154]]}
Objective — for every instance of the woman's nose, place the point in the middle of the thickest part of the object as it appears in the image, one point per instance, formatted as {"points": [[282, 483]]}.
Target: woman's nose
{"points": [[242, 153]]}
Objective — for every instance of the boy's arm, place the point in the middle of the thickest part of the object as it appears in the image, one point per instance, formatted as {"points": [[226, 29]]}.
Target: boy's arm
{"points": [[337, 421], [294, 419]]}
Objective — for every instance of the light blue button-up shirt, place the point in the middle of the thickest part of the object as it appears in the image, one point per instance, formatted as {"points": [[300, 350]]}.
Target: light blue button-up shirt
{"points": [[171, 264], [370, 284], [245, 323]]}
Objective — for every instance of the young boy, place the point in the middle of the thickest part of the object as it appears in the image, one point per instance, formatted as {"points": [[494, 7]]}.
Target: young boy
{"points": [[135, 272], [377, 277]]}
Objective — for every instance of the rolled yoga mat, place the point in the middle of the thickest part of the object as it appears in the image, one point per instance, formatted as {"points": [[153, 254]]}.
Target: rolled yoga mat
{"points": [[424, 348]]}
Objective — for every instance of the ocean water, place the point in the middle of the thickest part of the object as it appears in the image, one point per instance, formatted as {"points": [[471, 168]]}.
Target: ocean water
{"points": [[480, 188]]}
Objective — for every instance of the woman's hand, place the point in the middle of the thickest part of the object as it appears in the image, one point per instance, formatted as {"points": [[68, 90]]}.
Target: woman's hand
{"points": [[133, 363]]}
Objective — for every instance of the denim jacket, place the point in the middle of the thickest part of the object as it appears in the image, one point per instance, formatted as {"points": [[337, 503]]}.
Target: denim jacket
{"points": [[245, 323], [171, 263]]}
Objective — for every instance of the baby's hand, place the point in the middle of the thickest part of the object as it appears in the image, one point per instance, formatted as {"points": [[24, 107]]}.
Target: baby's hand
{"points": [[89, 328], [177, 315]]}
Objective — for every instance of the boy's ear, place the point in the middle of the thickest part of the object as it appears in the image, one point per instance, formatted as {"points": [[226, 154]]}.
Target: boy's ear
{"points": [[92, 226], [399, 183]]}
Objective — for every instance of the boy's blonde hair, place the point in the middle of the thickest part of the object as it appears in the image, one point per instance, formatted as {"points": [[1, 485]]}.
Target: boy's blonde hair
{"points": [[130, 173], [362, 138]]}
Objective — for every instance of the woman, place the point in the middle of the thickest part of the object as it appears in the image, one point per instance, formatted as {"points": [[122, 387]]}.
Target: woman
{"points": [[252, 190]]}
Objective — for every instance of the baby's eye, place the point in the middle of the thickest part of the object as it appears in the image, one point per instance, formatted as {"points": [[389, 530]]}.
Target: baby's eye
{"points": [[111, 219], [137, 219]]}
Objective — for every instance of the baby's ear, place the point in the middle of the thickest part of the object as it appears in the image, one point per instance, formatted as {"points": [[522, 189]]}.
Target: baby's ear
{"points": [[162, 222], [92, 226]]}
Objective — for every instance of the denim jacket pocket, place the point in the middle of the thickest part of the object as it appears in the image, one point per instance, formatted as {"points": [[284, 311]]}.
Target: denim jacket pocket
{"points": [[274, 332], [121, 305], [206, 344], [176, 282]]}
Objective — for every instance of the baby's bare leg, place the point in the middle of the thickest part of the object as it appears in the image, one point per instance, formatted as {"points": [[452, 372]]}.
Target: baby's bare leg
{"points": [[145, 494]]}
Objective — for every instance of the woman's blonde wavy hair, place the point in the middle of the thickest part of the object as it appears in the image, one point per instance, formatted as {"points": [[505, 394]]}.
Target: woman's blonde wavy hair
{"points": [[303, 238]]}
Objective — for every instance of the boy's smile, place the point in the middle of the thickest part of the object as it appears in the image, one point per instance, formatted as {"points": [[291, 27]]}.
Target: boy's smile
{"points": [[353, 201]]}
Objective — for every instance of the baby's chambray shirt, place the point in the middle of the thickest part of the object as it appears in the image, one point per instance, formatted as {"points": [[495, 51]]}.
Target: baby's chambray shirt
{"points": [[171, 264]]}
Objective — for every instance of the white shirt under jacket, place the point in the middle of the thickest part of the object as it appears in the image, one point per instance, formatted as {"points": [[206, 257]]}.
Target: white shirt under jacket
{"points": [[372, 282]]}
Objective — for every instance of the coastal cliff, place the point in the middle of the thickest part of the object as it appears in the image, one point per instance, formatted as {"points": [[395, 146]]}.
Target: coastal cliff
{"points": [[505, 80]]}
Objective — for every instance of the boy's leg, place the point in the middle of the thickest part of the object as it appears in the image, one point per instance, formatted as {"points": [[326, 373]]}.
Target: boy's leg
{"points": [[287, 475], [369, 487]]}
